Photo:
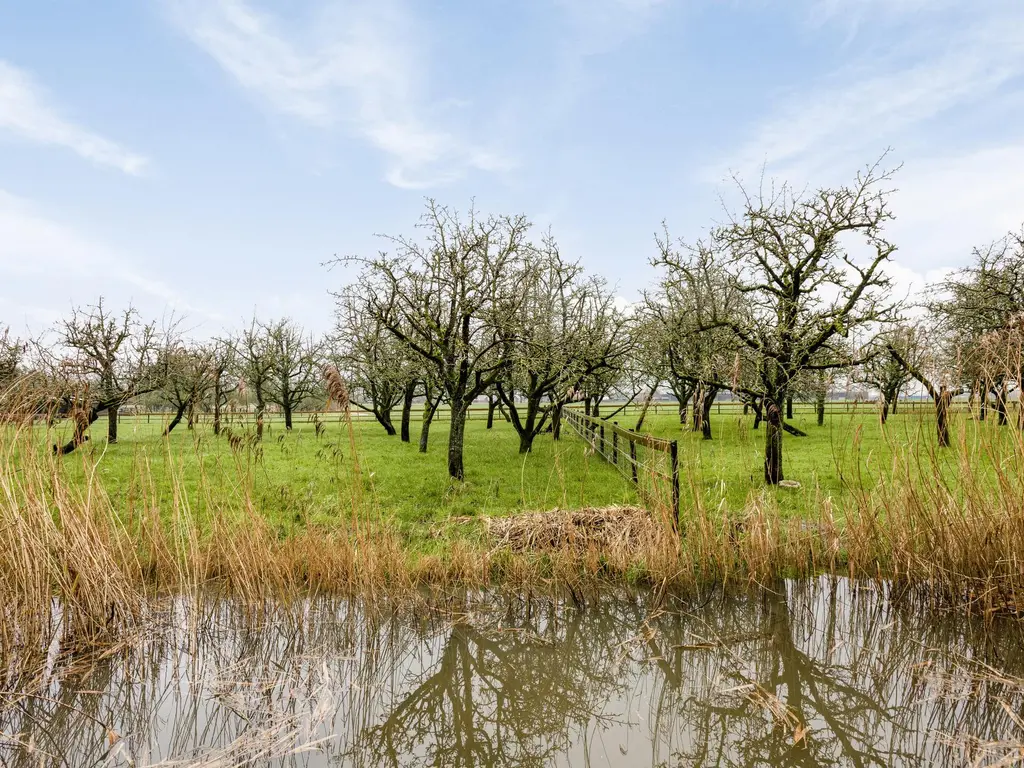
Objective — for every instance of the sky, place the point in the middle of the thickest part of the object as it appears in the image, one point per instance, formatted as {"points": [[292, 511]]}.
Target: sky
{"points": [[206, 158]]}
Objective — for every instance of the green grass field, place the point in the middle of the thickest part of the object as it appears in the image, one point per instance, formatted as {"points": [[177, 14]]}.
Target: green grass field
{"points": [[299, 477]]}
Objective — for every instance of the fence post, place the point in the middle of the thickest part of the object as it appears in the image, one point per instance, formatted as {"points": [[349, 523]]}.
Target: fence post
{"points": [[632, 456], [615, 443], [602, 440], [673, 453]]}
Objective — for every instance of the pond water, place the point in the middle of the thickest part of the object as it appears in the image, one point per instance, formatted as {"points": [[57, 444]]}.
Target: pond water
{"points": [[818, 672]]}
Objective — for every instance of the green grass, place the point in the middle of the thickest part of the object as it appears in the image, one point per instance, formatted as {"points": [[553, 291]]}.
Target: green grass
{"points": [[302, 478]]}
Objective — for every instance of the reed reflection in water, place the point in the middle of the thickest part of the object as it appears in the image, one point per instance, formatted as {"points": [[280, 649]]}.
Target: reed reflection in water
{"points": [[807, 673]]}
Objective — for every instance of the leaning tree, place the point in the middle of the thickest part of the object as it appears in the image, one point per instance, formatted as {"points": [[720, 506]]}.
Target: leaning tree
{"points": [[104, 359], [880, 370], [447, 296], [786, 253], [925, 353], [190, 377]]}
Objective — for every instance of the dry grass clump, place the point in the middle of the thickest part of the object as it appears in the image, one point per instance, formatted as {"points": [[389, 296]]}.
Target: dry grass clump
{"points": [[66, 542], [577, 530]]}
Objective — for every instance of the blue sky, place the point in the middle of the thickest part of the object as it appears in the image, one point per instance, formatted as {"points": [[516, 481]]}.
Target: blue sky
{"points": [[209, 155]]}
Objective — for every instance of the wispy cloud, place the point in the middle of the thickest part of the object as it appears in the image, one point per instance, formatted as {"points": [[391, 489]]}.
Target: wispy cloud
{"points": [[40, 257], [356, 63], [24, 111], [858, 110], [599, 26]]}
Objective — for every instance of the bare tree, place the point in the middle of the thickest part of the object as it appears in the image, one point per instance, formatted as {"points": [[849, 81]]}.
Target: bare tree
{"points": [[447, 297], [919, 350], [223, 364], [976, 306], [295, 366], [190, 377], [254, 357], [380, 368], [696, 362], [568, 328], [881, 371], [110, 358], [803, 292], [11, 353]]}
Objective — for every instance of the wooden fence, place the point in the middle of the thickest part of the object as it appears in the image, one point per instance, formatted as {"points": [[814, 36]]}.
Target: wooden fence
{"points": [[618, 446], [478, 412]]}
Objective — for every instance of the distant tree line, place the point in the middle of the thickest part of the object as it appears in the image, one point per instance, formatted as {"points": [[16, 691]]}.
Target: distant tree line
{"points": [[786, 299]]}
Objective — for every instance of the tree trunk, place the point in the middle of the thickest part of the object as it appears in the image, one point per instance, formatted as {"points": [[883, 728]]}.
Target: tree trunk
{"points": [[1001, 398], [698, 408], [789, 408], [429, 409], [821, 410], [424, 434], [287, 408], [647, 404], [773, 444], [407, 398], [895, 401], [82, 423], [260, 409], [384, 418], [746, 408], [556, 421], [176, 420], [983, 404], [705, 416], [112, 423], [790, 429], [942, 417], [883, 412], [682, 411], [596, 410], [216, 405], [758, 407], [456, 441], [492, 403], [586, 406]]}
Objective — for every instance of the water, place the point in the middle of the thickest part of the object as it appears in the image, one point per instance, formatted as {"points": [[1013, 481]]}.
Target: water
{"points": [[812, 673]]}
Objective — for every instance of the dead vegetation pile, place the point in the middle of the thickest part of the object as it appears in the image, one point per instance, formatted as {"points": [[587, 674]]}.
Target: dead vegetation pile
{"points": [[609, 529]]}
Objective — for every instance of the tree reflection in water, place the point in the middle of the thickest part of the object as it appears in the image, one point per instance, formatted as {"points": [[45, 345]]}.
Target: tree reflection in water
{"points": [[805, 673]]}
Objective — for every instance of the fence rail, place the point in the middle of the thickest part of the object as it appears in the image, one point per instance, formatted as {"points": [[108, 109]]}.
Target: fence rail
{"points": [[595, 432], [479, 411]]}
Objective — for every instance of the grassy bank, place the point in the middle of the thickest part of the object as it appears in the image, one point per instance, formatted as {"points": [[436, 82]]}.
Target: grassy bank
{"points": [[352, 510]]}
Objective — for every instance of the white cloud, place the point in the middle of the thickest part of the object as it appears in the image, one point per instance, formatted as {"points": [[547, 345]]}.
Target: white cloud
{"points": [[947, 205], [46, 266], [860, 109], [357, 63], [25, 112]]}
